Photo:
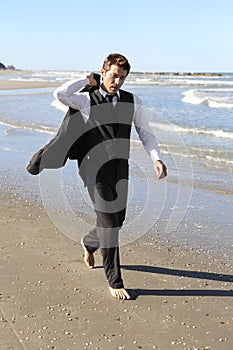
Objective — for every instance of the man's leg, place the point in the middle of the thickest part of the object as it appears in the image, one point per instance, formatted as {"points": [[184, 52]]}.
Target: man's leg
{"points": [[89, 249], [108, 226], [105, 236], [90, 242]]}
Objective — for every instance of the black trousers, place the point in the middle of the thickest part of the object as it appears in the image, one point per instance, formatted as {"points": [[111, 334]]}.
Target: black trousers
{"points": [[110, 208]]}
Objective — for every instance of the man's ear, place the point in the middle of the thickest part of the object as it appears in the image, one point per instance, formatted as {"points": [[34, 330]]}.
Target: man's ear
{"points": [[103, 72]]}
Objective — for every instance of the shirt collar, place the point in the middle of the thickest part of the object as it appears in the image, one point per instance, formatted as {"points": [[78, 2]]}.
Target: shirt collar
{"points": [[104, 93]]}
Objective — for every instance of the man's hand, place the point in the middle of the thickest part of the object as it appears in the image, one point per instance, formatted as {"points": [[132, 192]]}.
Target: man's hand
{"points": [[92, 81], [160, 169]]}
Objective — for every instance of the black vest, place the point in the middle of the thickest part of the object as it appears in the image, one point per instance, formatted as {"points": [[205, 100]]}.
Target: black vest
{"points": [[106, 143], [107, 132]]}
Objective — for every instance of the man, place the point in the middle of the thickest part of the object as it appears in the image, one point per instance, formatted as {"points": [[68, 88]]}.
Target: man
{"points": [[103, 151]]}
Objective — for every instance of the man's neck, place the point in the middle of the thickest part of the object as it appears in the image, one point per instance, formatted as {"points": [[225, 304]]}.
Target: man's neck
{"points": [[105, 92], [104, 89]]}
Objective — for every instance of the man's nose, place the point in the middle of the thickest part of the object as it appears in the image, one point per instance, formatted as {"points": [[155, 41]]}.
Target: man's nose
{"points": [[117, 81]]}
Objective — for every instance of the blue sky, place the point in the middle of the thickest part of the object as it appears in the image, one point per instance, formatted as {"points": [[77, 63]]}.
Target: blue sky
{"points": [[155, 35]]}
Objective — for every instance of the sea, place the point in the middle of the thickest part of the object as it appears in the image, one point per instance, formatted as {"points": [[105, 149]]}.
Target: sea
{"points": [[192, 118]]}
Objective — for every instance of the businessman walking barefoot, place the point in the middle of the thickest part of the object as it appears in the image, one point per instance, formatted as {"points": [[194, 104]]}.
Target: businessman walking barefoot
{"points": [[109, 113]]}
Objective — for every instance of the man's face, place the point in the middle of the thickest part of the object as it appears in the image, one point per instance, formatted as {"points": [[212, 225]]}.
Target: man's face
{"points": [[113, 78]]}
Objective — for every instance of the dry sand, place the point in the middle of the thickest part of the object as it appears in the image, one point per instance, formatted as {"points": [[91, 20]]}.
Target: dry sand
{"points": [[12, 85], [17, 84], [182, 298]]}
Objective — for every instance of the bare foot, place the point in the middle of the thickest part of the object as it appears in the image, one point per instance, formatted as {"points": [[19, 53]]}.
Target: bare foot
{"points": [[88, 258], [119, 293]]}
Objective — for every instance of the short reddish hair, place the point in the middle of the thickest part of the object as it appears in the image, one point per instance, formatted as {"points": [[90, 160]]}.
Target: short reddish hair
{"points": [[117, 59]]}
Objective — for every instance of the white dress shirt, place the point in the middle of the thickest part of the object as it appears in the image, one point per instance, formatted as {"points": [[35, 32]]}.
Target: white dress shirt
{"points": [[69, 95]]}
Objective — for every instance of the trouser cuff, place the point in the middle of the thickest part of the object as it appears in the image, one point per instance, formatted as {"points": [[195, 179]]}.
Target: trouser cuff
{"points": [[117, 285]]}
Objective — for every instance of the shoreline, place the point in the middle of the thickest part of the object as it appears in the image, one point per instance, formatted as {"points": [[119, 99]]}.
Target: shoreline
{"points": [[208, 74], [182, 298], [17, 84], [190, 216]]}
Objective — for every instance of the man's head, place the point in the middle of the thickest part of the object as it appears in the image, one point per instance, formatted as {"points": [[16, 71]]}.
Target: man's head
{"points": [[114, 71]]}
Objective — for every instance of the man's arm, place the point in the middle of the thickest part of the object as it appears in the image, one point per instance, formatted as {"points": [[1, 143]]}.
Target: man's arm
{"points": [[147, 137], [68, 93]]}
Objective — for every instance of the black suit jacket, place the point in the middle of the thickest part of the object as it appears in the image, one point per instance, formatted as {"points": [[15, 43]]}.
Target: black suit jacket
{"points": [[67, 143]]}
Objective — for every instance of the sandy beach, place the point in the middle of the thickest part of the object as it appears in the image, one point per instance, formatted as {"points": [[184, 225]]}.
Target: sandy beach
{"points": [[14, 84], [181, 297]]}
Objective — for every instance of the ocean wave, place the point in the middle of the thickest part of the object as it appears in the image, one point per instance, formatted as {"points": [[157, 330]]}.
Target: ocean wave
{"points": [[174, 82], [179, 129], [214, 98], [203, 82], [134, 78], [8, 149], [216, 104], [37, 128], [58, 75], [219, 160], [26, 92], [58, 105], [201, 154], [32, 80]]}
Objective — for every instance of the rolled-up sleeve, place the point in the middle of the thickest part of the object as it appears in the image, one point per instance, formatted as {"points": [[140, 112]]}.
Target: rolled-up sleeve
{"points": [[68, 94]]}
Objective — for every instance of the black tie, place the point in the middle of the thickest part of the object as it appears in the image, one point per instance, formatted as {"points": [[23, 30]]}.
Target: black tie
{"points": [[110, 97]]}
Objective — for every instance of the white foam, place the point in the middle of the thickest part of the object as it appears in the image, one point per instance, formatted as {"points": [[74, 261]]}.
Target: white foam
{"points": [[143, 80], [60, 106], [149, 79], [32, 80], [176, 128], [214, 98], [203, 82], [219, 160], [37, 128], [7, 149], [190, 96], [215, 104]]}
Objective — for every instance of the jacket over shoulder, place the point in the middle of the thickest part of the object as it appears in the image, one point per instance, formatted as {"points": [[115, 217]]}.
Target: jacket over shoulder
{"points": [[65, 144]]}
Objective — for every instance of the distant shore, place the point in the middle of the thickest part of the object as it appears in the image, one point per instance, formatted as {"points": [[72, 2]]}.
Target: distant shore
{"points": [[207, 74], [9, 71], [20, 84], [182, 74]]}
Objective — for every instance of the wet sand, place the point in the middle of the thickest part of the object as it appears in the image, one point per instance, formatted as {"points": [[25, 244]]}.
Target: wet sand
{"points": [[181, 298]]}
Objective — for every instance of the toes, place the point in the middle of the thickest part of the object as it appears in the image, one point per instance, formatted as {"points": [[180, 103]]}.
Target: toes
{"points": [[89, 259], [89, 262], [119, 293], [127, 296]]}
